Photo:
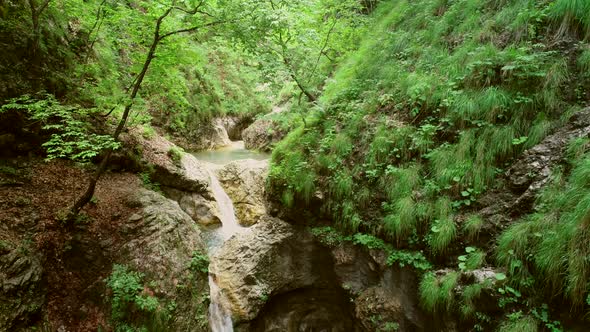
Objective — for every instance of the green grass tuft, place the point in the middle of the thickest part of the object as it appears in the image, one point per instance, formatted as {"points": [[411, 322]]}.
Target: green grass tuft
{"points": [[436, 293], [524, 324]]}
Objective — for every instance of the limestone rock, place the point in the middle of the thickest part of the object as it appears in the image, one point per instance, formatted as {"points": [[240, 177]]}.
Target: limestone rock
{"points": [[262, 134], [160, 242], [21, 290], [269, 259], [190, 175], [244, 183], [380, 290], [209, 135], [533, 169], [235, 126], [201, 210]]}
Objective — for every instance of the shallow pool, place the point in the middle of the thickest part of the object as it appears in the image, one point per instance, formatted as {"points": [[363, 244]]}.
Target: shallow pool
{"points": [[235, 151]]}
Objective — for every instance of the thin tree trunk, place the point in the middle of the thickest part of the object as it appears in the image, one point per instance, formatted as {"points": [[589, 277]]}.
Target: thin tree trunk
{"points": [[87, 196], [36, 12]]}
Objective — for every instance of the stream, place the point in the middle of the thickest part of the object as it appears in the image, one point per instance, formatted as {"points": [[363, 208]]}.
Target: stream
{"points": [[219, 313]]}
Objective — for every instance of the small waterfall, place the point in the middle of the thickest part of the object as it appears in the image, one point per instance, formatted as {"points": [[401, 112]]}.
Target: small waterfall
{"points": [[219, 314], [229, 222]]}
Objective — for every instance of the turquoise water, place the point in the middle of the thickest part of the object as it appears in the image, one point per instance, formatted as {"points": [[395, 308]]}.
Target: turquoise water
{"points": [[235, 151]]}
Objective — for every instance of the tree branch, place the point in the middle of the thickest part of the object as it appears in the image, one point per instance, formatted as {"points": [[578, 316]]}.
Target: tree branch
{"points": [[195, 28]]}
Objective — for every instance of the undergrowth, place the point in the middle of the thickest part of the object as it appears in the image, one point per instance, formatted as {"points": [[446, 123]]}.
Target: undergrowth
{"points": [[419, 123]]}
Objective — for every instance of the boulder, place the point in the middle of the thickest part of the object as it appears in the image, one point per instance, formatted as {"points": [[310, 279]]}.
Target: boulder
{"points": [[235, 126], [263, 134], [189, 175], [160, 242], [21, 289], [244, 183], [202, 210], [209, 135], [269, 260]]}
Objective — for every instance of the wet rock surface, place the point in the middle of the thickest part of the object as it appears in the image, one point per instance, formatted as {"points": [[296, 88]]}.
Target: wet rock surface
{"points": [[276, 278], [202, 210], [235, 125], [307, 309], [244, 183]]}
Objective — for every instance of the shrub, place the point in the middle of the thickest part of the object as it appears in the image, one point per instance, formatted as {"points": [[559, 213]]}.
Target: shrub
{"points": [[199, 262], [127, 296]]}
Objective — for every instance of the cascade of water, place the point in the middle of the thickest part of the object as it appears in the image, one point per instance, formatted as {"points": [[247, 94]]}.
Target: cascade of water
{"points": [[219, 315], [229, 222]]}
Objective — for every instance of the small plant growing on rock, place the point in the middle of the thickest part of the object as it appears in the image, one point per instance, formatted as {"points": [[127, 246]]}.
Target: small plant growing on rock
{"points": [[128, 296], [175, 153], [199, 262]]}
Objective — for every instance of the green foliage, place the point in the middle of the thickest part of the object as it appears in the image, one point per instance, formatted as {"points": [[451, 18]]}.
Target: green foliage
{"points": [[199, 262], [71, 136], [470, 294], [128, 296], [436, 293], [443, 232], [328, 236], [573, 15], [523, 324], [473, 259], [472, 226], [368, 241], [146, 179], [414, 259], [175, 153]]}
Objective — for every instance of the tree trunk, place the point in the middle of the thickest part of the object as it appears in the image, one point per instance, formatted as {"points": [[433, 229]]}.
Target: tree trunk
{"points": [[87, 196], [36, 12]]}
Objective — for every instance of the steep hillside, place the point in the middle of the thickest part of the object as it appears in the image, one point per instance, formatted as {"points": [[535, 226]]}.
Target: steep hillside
{"points": [[425, 127]]}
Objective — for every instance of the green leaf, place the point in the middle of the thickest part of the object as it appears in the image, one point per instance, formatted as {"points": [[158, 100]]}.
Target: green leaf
{"points": [[500, 276]]}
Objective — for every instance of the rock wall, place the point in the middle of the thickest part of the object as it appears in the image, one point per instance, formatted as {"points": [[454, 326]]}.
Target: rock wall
{"points": [[160, 241], [244, 183], [21, 289]]}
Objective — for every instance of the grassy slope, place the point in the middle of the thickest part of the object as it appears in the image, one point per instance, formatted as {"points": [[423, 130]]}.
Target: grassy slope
{"points": [[418, 123]]}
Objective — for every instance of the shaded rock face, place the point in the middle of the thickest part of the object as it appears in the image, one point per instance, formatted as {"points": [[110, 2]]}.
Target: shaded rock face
{"points": [[160, 242], [262, 135], [387, 292], [21, 290], [307, 309], [190, 175], [516, 191], [209, 135], [244, 183], [277, 278], [235, 126], [187, 181]]}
